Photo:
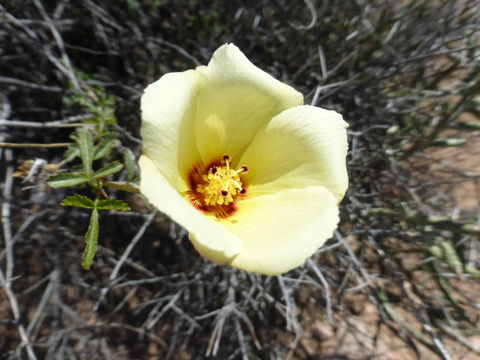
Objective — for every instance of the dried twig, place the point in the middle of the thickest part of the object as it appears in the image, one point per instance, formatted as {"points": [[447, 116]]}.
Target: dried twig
{"points": [[7, 278], [31, 145]]}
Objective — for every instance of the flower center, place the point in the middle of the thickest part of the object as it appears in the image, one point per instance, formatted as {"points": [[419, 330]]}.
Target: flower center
{"points": [[221, 183]]}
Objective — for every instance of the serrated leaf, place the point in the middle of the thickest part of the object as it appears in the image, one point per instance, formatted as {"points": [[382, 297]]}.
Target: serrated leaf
{"points": [[91, 240], [78, 201], [87, 150], [71, 153], [107, 170], [112, 204], [130, 164], [66, 180], [104, 149]]}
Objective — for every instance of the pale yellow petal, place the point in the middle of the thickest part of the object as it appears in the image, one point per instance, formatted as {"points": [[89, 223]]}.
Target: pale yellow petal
{"points": [[169, 108], [208, 233], [235, 100], [216, 256], [280, 231], [303, 146]]}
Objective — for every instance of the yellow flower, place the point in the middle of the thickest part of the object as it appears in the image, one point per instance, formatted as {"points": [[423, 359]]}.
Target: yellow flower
{"points": [[234, 156]]}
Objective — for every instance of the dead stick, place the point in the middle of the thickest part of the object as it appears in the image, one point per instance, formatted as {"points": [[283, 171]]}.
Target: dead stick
{"points": [[30, 145]]}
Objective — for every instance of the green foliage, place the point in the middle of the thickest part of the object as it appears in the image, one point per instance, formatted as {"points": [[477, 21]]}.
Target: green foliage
{"points": [[94, 142], [444, 250], [95, 100], [78, 201], [130, 164], [66, 180], [133, 5], [112, 204], [87, 150], [474, 125], [72, 152], [449, 142], [91, 241], [450, 255], [104, 148], [91, 237], [111, 168]]}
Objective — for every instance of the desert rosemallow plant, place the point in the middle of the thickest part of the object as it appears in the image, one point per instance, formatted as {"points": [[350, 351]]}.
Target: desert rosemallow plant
{"points": [[233, 155]]}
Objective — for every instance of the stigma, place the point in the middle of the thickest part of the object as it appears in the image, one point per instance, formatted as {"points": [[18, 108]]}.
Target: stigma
{"points": [[221, 184]]}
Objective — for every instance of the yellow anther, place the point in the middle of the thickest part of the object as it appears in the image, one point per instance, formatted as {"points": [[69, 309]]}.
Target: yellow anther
{"points": [[222, 184]]}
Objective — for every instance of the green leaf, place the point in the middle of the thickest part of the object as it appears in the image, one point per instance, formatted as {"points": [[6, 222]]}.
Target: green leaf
{"points": [[78, 201], [112, 204], [449, 142], [71, 153], [87, 150], [475, 125], [91, 240], [472, 270], [66, 180], [133, 5], [107, 170], [103, 150], [124, 186], [451, 256], [436, 251], [130, 164]]}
